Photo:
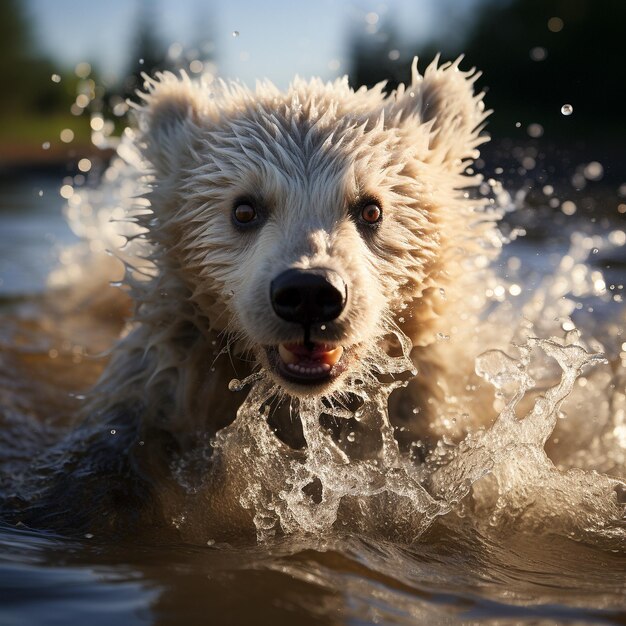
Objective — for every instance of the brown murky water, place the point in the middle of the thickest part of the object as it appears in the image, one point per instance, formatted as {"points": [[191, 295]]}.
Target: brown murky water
{"points": [[527, 538]]}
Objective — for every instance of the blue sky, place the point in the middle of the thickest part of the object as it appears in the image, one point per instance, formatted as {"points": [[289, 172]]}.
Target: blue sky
{"points": [[277, 38]]}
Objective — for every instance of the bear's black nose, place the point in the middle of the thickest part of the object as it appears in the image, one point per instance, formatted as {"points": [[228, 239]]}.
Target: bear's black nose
{"points": [[308, 296]]}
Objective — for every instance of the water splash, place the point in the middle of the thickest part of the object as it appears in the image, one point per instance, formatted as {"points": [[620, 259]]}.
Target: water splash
{"points": [[560, 396], [326, 486], [296, 491]]}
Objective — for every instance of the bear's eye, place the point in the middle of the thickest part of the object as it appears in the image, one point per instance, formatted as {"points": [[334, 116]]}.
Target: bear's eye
{"points": [[371, 213], [244, 213]]}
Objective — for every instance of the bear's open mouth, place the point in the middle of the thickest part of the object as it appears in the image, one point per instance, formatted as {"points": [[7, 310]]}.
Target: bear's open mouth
{"points": [[307, 363]]}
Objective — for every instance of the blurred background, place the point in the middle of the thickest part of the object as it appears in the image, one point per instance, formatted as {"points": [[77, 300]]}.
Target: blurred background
{"points": [[553, 71]]}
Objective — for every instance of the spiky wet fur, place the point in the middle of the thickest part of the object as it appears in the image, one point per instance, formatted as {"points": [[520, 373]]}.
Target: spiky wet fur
{"points": [[306, 154]]}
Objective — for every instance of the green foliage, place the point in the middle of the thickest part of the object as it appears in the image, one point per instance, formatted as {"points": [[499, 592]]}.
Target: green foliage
{"points": [[25, 130], [25, 73], [33, 107], [148, 53]]}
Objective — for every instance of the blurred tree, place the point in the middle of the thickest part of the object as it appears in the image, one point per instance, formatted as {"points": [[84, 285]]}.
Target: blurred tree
{"points": [[374, 57], [535, 55], [202, 42], [148, 52], [14, 39], [23, 68]]}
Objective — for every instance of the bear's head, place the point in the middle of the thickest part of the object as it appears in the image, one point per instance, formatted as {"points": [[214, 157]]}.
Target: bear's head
{"points": [[312, 223]]}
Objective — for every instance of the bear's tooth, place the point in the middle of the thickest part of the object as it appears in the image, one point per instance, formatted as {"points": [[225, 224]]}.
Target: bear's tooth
{"points": [[286, 355], [332, 356]]}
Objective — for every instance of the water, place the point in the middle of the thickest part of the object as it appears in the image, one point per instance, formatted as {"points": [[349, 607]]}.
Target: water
{"points": [[31, 234], [340, 580], [519, 521]]}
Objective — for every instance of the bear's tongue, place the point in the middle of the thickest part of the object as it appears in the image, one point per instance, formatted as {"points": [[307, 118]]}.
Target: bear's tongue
{"points": [[317, 358]]}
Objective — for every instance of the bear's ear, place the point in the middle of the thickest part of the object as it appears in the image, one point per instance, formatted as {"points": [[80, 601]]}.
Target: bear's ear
{"points": [[168, 119], [443, 100]]}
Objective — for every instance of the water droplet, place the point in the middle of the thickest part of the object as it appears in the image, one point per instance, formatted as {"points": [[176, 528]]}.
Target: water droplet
{"points": [[323, 327], [617, 237], [555, 24], [196, 66], [235, 33], [113, 431], [45, 145], [499, 369], [97, 123], [84, 165], [141, 61], [82, 100], [567, 109], [82, 70], [568, 207], [538, 53], [210, 542], [67, 135], [88, 536], [174, 51], [40, 193], [55, 78], [235, 385], [593, 171]]}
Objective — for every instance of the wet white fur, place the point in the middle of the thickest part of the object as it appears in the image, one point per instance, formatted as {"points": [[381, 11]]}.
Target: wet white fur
{"points": [[307, 154]]}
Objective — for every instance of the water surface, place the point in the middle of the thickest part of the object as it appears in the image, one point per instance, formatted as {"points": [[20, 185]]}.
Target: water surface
{"points": [[527, 538]]}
